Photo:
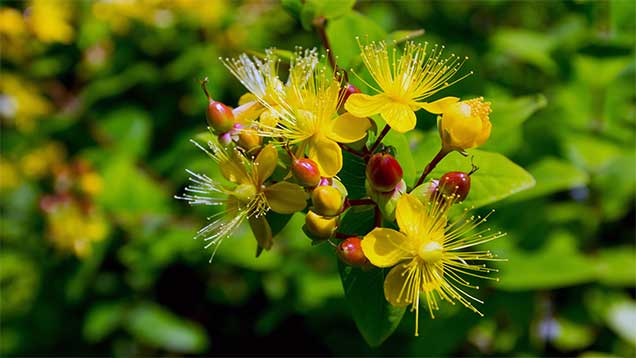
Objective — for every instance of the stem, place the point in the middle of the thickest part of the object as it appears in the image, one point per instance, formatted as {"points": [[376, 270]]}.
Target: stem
{"points": [[378, 217], [320, 23], [378, 140], [430, 166], [352, 151], [358, 202], [203, 84]]}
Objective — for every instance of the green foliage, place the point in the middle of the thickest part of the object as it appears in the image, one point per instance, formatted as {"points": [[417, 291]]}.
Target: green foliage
{"points": [[375, 317], [98, 106]]}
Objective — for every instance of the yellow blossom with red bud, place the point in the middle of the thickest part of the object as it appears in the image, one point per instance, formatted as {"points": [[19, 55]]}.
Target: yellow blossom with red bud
{"points": [[304, 109], [427, 255], [404, 82], [463, 125]]}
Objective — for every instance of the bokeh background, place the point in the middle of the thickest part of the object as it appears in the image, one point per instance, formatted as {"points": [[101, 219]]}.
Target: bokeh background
{"points": [[98, 100]]}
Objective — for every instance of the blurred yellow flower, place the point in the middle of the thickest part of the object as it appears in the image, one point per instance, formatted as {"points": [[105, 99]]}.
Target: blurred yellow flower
{"points": [[464, 124], [9, 177], [21, 102], [426, 257], [11, 22], [404, 82], [40, 161], [73, 229], [50, 20]]}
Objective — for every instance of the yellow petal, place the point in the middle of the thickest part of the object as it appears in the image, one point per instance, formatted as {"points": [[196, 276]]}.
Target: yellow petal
{"points": [[265, 162], [327, 154], [409, 214], [385, 247], [362, 105], [486, 127], [269, 119], [248, 97], [348, 128], [234, 171], [286, 198], [262, 231], [394, 284], [438, 106], [399, 116], [247, 112]]}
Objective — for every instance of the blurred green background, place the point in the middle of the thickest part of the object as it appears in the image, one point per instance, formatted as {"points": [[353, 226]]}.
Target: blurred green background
{"points": [[98, 101]]}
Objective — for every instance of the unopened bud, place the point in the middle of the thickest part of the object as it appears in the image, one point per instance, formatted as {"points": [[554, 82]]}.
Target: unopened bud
{"points": [[327, 200], [319, 227], [383, 172], [220, 117], [306, 172], [350, 252]]}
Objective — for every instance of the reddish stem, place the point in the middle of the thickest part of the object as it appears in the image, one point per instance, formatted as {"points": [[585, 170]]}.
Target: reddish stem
{"points": [[430, 166], [352, 151], [378, 140]]}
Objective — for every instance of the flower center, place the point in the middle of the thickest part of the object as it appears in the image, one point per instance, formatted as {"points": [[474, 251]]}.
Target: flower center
{"points": [[430, 252]]}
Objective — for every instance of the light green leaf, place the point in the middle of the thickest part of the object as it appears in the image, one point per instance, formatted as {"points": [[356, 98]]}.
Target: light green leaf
{"points": [[103, 319], [553, 175], [157, 327], [614, 266], [572, 336], [331, 9], [400, 36], [621, 318], [557, 264], [342, 33], [532, 47], [375, 317], [126, 130]]}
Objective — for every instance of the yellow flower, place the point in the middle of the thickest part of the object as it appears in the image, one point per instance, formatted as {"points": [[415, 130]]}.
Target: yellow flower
{"points": [[250, 199], [305, 109], [72, 229], [21, 102], [426, 255], [464, 124], [50, 20], [404, 82]]}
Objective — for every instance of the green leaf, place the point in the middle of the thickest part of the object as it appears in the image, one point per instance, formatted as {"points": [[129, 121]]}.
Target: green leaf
{"points": [[557, 264], [331, 9], [400, 36], [358, 220], [613, 265], [532, 47], [591, 153], [621, 318], [342, 33], [127, 130], [375, 317], [103, 319], [508, 114], [128, 190], [352, 175], [553, 175], [572, 336], [496, 179], [157, 327]]}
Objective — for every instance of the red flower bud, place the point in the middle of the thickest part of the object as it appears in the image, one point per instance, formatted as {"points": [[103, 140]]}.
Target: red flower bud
{"points": [[348, 90], [306, 172], [350, 252], [220, 117], [454, 183], [383, 172]]}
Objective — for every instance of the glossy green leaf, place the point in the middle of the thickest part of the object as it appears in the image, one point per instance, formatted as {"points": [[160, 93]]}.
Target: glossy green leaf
{"points": [[157, 327], [375, 317]]}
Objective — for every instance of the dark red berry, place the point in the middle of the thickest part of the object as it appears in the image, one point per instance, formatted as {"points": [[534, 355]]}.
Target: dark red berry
{"points": [[454, 183], [306, 172], [350, 252], [383, 172], [220, 117]]}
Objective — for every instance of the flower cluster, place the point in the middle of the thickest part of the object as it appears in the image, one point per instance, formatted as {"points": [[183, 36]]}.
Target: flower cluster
{"points": [[282, 146]]}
